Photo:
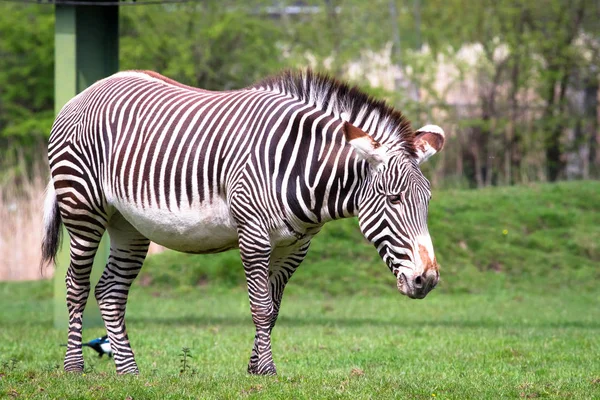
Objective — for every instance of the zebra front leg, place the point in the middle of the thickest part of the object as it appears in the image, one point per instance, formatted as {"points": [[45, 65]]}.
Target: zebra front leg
{"points": [[82, 251], [255, 250], [128, 250], [284, 262]]}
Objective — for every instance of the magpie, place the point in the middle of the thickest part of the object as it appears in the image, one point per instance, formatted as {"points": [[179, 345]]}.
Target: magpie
{"points": [[101, 345]]}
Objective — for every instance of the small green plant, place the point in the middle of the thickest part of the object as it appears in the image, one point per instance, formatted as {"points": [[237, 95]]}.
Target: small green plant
{"points": [[185, 354]]}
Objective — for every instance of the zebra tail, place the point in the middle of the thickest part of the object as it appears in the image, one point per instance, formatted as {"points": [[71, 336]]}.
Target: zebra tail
{"points": [[52, 230]]}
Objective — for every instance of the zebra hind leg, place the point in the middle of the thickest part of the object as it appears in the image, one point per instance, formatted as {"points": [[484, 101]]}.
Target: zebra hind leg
{"points": [[128, 249], [83, 246]]}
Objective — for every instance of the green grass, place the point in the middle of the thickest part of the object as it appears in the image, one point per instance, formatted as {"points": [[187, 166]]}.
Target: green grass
{"points": [[516, 315], [552, 240], [458, 346]]}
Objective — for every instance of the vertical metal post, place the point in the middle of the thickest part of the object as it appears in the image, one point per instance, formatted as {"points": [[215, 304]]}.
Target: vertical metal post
{"points": [[86, 50]]}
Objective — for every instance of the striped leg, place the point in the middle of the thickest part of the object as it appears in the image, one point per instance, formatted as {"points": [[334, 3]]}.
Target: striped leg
{"points": [[284, 262], [83, 249], [255, 249], [128, 250]]}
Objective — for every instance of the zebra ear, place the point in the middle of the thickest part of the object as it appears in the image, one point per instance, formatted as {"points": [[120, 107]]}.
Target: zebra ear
{"points": [[428, 141], [365, 146]]}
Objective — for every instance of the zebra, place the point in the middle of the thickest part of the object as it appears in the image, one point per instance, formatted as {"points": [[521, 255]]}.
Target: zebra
{"points": [[261, 169]]}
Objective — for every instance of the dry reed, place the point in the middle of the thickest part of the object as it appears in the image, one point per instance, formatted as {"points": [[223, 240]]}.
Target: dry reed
{"points": [[21, 226], [21, 213]]}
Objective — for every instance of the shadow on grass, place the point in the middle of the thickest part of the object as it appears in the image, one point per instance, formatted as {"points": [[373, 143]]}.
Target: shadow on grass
{"points": [[363, 322], [342, 322]]}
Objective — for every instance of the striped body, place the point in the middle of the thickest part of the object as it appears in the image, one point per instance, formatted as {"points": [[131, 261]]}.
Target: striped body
{"points": [[262, 169]]}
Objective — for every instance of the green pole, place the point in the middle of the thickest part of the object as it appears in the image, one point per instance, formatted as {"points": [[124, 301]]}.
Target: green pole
{"points": [[86, 50]]}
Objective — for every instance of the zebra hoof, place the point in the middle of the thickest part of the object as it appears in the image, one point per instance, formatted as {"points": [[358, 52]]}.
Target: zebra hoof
{"points": [[265, 370], [74, 367], [129, 371]]}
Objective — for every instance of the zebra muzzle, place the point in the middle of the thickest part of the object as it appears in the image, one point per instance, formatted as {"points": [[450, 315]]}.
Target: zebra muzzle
{"points": [[418, 286]]}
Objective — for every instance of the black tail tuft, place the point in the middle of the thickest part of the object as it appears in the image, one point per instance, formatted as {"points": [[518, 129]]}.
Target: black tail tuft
{"points": [[52, 229]]}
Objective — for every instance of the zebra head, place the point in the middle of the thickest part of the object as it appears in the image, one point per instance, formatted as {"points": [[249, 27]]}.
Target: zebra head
{"points": [[393, 207]]}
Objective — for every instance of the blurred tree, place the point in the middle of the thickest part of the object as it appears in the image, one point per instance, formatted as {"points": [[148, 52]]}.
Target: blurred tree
{"points": [[26, 71], [555, 28], [216, 45], [545, 53], [536, 77]]}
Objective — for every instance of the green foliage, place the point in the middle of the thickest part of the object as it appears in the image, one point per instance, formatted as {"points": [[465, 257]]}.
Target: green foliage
{"points": [[516, 128], [26, 85], [510, 344], [211, 44], [537, 237], [26, 64]]}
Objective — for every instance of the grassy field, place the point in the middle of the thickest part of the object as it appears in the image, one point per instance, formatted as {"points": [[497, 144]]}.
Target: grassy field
{"points": [[517, 315], [533, 238], [449, 346]]}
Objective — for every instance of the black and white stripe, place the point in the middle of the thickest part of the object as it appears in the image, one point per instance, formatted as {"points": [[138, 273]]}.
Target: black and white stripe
{"points": [[262, 169]]}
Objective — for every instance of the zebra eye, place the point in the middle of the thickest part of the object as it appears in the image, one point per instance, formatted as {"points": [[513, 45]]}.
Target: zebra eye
{"points": [[395, 198]]}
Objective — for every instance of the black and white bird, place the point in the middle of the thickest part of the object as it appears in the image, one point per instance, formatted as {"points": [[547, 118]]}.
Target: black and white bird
{"points": [[101, 345]]}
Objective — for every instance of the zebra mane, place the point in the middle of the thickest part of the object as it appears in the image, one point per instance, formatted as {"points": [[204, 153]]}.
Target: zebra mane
{"points": [[387, 125]]}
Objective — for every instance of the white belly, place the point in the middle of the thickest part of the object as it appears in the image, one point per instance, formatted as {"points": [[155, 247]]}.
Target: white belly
{"points": [[206, 228]]}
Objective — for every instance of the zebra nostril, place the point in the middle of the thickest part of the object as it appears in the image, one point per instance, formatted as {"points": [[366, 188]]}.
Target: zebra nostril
{"points": [[419, 282]]}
